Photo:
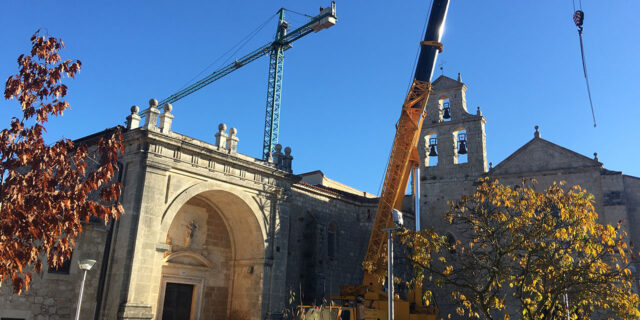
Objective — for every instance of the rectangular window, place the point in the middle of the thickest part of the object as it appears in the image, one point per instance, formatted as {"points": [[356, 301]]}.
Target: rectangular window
{"points": [[62, 269]]}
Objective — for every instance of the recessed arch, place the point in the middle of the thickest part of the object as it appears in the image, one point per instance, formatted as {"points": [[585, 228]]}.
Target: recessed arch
{"points": [[239, 221]]}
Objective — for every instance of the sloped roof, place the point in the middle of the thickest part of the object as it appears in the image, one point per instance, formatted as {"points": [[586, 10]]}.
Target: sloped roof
{"points": [[443, 82], [540, 155]]}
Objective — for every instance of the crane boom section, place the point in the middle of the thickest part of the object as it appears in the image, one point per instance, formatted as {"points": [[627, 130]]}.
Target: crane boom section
{"points": [[404, 154], [324, 20]]}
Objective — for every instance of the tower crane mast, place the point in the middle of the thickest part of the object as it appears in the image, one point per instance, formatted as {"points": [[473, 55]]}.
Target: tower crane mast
{"points": [[282, 42]]}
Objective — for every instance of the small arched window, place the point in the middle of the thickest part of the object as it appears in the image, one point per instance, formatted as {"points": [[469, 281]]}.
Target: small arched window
{"points": [[332, 240]]}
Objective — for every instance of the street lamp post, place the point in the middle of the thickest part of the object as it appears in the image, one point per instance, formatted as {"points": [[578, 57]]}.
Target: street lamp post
{"points": [[84, 265], [397, 224]]}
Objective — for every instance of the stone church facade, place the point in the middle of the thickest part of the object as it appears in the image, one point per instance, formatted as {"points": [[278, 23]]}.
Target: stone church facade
{"points": [[207, 232], [450, 174], [221, 235]]}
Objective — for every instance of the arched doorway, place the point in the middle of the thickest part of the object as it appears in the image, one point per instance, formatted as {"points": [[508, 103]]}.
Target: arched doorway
{"points": [[214, 267]]}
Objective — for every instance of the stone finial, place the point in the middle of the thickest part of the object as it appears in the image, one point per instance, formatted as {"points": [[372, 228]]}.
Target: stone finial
{"points": [[133, 120], [277, 156], [537, 133], [221, 136], [166, 118], [490, 165], [459, 77], [478, 112], [151, 115], [595, 157], [287, 159], [232, 140]]}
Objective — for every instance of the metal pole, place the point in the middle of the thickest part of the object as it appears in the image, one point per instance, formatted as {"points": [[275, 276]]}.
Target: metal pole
{"points": [[415, 188], [84, 276], [390, 275], [566, 299]]}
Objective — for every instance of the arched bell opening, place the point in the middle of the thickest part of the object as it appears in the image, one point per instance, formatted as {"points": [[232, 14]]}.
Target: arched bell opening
{"points": [[444, 106], [431, 148], [462, 146]]}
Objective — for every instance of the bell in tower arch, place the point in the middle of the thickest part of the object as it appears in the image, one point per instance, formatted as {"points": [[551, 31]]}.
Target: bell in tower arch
{"points": [[447, 111], [432, 147], [462, 143]]}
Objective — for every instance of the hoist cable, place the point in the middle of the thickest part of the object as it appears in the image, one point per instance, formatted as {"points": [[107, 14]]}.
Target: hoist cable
{"points": [[578, 19], [238, 45], [302, 14], [586, 78]]}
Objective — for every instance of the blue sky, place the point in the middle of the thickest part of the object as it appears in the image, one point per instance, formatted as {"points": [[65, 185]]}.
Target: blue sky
{"points": [[343, 87]]}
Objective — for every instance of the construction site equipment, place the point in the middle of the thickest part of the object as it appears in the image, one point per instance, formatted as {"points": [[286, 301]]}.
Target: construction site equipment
{"points": [[578, 19], [369, 300], [282, 42]]}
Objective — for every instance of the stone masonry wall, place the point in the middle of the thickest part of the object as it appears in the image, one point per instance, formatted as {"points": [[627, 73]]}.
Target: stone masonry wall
{"points": [[54, 296]]}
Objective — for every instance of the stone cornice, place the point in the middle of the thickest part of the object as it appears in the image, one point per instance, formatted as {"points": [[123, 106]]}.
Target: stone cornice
{"points": [[172, 151]]}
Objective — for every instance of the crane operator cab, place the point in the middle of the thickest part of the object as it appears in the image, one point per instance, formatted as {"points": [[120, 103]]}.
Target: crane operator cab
{"points": [[327, 18]]}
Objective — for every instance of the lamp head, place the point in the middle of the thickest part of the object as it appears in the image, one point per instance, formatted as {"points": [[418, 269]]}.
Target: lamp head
{"points": [[86, 264], [397, 218]]}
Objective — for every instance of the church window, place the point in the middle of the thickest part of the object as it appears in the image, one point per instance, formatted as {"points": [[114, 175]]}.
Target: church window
{"points": [[62, 269], [332, 240]]}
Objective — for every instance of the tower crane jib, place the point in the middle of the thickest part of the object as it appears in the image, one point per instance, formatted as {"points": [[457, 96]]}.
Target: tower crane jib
{"points": [[282, 42]]}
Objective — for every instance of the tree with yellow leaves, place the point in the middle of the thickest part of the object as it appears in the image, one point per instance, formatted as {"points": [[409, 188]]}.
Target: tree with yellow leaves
{"points": [[528, 255]]}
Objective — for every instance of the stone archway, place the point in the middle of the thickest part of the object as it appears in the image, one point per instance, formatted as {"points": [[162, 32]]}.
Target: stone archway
{"points": [[216, 239]]}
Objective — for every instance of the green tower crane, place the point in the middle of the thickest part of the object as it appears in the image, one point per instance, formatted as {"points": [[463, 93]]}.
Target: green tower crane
{"points": [[282, 42]]}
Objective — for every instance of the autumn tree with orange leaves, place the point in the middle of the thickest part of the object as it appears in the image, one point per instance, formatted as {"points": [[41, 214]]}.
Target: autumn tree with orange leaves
{"points": [[528, 255], [48, 191]]}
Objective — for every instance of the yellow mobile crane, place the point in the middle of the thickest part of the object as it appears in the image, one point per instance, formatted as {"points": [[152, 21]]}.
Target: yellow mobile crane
{"points": [[369, 300]]}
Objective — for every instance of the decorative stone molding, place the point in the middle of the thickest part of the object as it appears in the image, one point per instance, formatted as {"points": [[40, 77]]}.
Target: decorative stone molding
{"points": [[282, 161]]}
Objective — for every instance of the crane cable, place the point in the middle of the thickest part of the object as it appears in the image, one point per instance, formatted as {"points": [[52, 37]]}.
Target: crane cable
{"points": [[243, 42], [578, 19]]}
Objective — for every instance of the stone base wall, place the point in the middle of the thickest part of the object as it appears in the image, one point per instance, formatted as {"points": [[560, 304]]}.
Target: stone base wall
{"points": [[55, 296]]}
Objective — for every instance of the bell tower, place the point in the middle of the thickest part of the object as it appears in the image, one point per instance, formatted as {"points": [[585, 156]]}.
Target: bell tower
{"points": [[452, 144]]}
